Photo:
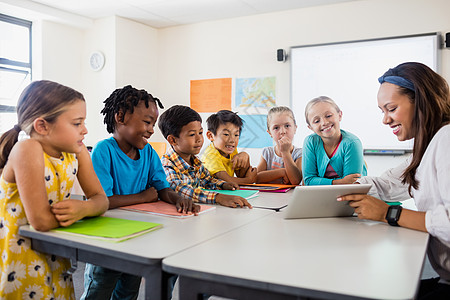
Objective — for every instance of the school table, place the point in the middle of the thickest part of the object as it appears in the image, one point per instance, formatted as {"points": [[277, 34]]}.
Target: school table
{"points": [[143, 255], [325, 258], [271, 200]]}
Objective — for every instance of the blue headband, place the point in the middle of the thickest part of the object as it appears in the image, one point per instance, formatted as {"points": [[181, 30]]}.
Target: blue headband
{"points": [[397, 80]]}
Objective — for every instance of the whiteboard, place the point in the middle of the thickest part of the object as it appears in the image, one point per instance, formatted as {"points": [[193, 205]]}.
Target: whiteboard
{"points": [[348, 73]]}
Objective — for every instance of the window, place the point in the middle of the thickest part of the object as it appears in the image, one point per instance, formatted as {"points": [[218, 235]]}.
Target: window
{"points": [[15, 66]]}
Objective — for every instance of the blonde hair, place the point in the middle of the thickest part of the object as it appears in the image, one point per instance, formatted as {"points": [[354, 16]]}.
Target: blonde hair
{"points": [[320, 99], [279, 110], [40, 99]]}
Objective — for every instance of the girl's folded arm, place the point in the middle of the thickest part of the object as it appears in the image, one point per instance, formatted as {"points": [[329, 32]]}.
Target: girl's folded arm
{"points": [[27, 164]]}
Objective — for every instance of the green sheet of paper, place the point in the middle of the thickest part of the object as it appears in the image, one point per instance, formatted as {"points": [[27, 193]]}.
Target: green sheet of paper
{"points": [[107, 228], [247, 194]]}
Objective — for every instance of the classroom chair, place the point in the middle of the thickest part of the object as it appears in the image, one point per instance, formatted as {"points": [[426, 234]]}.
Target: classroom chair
{"points": [[160, 147]]}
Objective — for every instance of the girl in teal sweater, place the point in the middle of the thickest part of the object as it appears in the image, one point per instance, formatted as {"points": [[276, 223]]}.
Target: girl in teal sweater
{"points": [[330, 155]]}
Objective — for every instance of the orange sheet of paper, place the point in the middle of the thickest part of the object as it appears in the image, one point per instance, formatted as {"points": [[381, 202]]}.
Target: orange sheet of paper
{"points": [[268, 187], [211, 95], [164, 209]]}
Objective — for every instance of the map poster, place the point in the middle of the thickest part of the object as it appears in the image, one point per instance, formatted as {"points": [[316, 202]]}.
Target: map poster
{"points": [[211, 95], [254, 133], [255, 92]]}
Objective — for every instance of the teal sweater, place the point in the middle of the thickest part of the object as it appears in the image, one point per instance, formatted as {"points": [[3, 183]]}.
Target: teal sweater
{"points": [[348, 159]]}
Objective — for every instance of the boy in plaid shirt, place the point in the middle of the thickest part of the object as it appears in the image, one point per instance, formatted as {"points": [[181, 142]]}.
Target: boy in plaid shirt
{"points": [[182, 128]]}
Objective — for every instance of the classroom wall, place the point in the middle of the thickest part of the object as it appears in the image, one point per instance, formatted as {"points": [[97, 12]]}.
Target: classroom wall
{"points": [[61, 51], [136, 55], [129, 59], [60, 54], [98, 85], [246, 46]]}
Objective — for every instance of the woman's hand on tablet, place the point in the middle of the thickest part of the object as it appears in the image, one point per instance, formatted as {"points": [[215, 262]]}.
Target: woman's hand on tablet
{"points": [[367, 207]]}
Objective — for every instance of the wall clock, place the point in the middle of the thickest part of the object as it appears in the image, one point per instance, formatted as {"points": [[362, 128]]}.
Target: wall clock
{"points": [[96, 61]]}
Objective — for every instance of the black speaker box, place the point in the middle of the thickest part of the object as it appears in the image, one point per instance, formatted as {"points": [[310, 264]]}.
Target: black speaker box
{"points": [[281, 55]]}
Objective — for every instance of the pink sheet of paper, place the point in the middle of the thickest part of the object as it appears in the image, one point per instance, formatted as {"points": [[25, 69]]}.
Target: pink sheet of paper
{"points": [[162, 208], [278, 191]]}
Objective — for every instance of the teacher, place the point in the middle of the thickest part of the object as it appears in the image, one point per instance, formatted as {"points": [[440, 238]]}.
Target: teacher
{"points": [[415, 102]]}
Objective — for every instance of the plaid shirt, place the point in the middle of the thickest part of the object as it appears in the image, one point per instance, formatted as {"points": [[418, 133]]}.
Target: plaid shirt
{"points": [[190, 181]]}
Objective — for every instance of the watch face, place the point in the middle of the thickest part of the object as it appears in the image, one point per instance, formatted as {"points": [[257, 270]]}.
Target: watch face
{"points": [[96, 61], [392, 213]]}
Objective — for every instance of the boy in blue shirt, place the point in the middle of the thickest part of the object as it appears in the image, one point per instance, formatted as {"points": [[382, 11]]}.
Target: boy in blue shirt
{"points": [[130, 172], [182, 128]]}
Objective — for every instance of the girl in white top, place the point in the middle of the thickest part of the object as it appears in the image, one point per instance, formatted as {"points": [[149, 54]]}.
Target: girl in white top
{"points": [[415, 102], [281, 163]]}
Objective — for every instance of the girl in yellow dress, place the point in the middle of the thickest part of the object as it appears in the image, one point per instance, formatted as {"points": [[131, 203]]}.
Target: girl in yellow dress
{"points": [[37, 175]]}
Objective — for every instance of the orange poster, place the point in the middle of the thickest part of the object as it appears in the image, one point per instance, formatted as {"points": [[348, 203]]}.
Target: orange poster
{"points": [[211, 95]]}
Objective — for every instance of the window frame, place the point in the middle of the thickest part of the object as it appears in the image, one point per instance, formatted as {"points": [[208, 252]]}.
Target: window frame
{"points": [[17, 66]]}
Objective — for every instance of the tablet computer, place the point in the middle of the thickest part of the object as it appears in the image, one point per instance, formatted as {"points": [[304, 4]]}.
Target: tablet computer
{"points": [[319, 201]]}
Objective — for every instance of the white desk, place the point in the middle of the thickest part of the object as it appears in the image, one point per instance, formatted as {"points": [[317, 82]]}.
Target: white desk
{"points": [[143, 255], [270, 200], [330, 258]]}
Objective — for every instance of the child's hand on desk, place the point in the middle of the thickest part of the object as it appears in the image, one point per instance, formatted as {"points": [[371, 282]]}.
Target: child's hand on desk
{"points": [[186, 206], [182, 204], [251, 174], [349, 179], [230, 186], [68, 211], [285, 178], [150, 195], [232, 201], [241, 161]]}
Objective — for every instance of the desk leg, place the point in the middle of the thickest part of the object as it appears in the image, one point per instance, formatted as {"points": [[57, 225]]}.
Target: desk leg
{"points": [[154, 290], [151, 272], [193, 289]]}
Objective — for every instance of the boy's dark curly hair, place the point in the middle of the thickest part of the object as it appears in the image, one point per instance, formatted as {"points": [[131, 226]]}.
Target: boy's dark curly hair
{"points": [[124, 100]]}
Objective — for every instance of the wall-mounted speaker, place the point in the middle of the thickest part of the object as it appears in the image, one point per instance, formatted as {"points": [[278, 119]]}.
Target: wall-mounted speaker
{"points": [[281, 55]]}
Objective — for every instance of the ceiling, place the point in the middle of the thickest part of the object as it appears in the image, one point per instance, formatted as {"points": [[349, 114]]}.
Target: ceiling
{"points": [[165, 13]]}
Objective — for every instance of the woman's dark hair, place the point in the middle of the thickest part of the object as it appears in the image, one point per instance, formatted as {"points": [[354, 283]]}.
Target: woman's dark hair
{"points": [[124, 100], [431, 101], [40, 99]]}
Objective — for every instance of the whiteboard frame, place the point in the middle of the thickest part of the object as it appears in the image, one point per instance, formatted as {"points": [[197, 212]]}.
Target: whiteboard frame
{"points": [[402, 146]]}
